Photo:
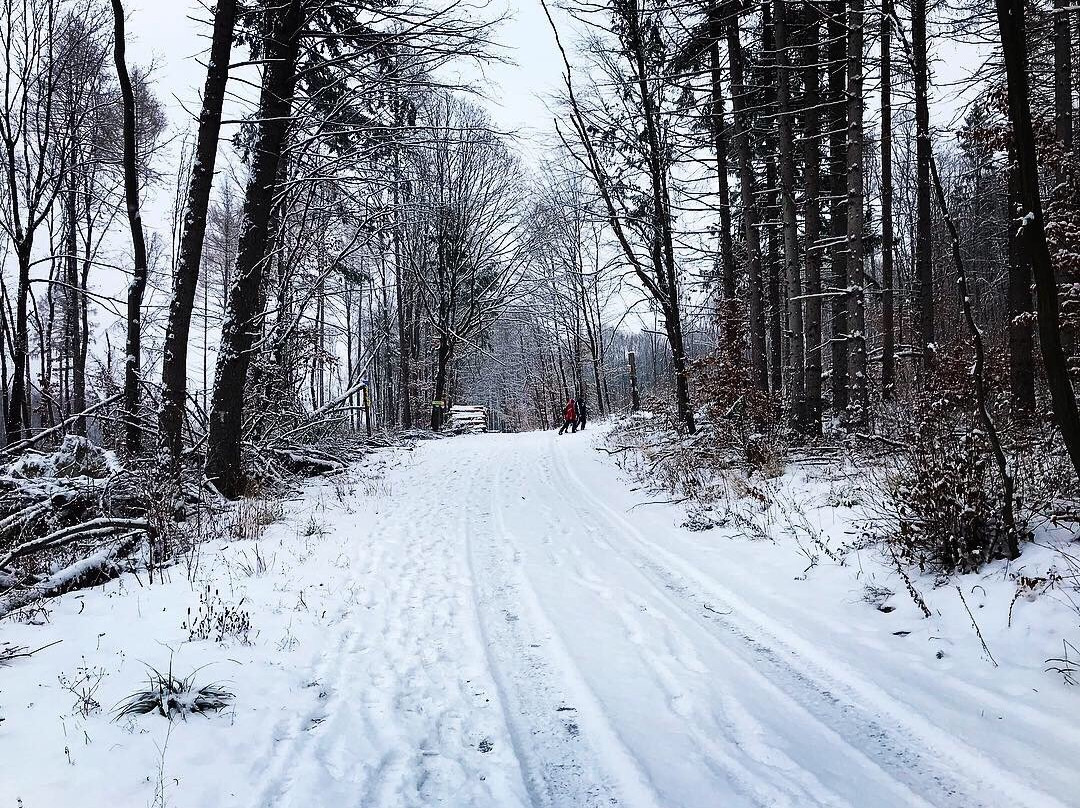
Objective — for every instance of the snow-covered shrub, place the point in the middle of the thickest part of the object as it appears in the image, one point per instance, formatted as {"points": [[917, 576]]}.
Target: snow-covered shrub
{"points": [[171, 696], [248, 518], [738, 420], [946, 503]]}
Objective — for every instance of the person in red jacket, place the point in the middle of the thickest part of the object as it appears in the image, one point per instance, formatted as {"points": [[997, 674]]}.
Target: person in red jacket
{"points": [[569, 416]]}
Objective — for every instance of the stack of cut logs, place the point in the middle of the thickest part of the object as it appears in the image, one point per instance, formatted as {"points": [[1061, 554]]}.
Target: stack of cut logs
{"points": [[466, 419]]}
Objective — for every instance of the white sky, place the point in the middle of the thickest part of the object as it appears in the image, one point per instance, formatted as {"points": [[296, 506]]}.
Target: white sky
{"points": [[163, 33]]}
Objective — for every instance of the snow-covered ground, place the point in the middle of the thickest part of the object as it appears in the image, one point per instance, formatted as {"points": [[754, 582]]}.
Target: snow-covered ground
{"points": [[495, 620]]}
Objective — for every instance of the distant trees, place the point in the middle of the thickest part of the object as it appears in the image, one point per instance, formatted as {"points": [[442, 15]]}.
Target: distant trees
{"points": [[468, 201], [830, 243], [623, 139]]}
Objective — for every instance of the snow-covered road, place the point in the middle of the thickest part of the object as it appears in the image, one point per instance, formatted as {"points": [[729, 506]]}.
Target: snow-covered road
{"points": [[531, 641], [503, 627]]}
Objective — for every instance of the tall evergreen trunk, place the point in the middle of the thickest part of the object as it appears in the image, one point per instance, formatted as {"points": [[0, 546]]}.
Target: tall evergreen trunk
{"points": [[924, 270], [858, 401], [223, 460], [777, 344], [888, 335], [758, 365], [838, 258], [796, 362], [133, 357], [186, 274], [1063, 125], [813, 252], [730, 306], [1032, 231], [1021, 339]]}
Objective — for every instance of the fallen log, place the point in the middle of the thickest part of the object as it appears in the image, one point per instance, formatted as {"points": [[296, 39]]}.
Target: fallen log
{"points": [[95, 528], [96, 569]]}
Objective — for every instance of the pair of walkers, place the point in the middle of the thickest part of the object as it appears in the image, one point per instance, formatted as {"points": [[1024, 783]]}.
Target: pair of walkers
{"points": [[574, 415]]}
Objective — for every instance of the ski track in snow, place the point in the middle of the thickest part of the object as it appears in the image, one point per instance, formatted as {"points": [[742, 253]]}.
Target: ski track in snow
{"points": [[603, 669], [904, 745]]}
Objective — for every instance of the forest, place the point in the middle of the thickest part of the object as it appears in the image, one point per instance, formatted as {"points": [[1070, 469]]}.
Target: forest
{"points": [[779, 227], [801, 278]]}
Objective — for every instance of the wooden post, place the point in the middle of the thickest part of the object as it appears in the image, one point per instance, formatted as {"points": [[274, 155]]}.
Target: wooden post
{"points": [[635, 399], [367, 409]]}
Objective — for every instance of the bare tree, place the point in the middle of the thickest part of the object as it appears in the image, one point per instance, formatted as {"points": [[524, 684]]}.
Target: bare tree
{"points": [[186, 274]]}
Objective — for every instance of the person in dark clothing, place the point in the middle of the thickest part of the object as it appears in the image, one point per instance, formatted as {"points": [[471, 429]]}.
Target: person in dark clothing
{"points": [[569, 416], [582, 414]]}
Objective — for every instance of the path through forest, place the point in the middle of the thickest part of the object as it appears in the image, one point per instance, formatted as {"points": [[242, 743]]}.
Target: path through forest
{"points": [[494, 621], [528, 639]]}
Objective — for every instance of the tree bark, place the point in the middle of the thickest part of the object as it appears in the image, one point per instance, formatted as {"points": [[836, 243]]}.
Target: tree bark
{"points": [[789, 215], [758, 365], [837, 66], [857, 412], [775, 309], [1021, 338], [924, 270], [1063, 126], [1032, 232], [186, 274], [813, 250], [133, 348], [729, 307], [888, 336], [223, 459]]}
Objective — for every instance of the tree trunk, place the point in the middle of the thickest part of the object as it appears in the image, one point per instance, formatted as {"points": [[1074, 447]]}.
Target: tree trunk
{"points": [[223, 461], [888, 337], [72, 318], [730, 307], [767, 100], [664, 268], [924, 270], [1021, 339], [758, 365], [810, 417], [1063, 126], [837, 66], [1032, 234], [186, 274], [789, 216], [133, 357], [438, 404], [857, 404]]}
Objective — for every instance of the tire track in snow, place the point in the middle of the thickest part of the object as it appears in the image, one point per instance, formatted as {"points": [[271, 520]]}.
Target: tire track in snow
{"points": [[906, 747], [569, 753], [729, 741]]}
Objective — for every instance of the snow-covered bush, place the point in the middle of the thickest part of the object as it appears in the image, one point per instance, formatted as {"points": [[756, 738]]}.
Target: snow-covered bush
{"points": [[945, 503], [738, 420]]}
